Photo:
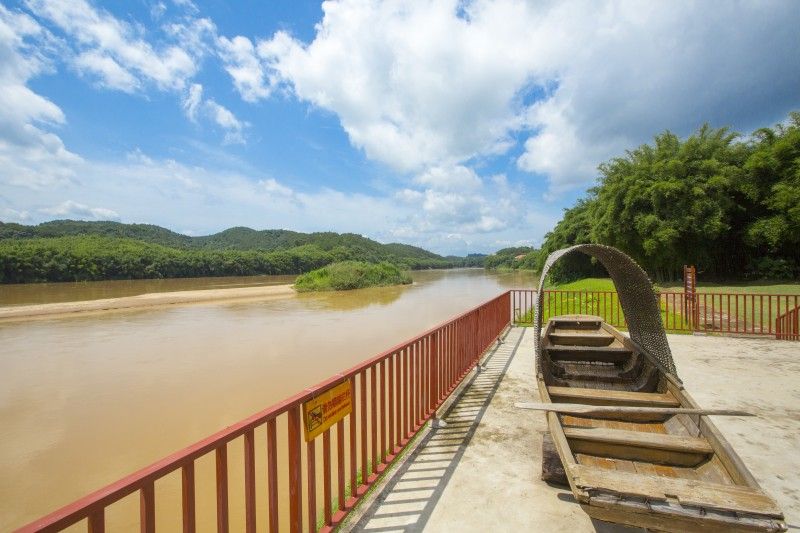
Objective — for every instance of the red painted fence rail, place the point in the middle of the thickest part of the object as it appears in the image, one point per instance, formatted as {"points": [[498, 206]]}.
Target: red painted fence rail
{"points": [[724, 313], [787, 325], [393, 395]]}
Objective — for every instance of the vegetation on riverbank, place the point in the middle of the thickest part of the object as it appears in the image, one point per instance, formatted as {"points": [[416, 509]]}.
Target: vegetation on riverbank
{"points": [[349, 275], [91, 251], [516, 258], [728, 204]]}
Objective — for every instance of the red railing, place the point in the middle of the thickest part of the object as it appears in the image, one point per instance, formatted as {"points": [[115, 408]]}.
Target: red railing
{"points": [[726, 313], [522, 303], [393, 395], [787, 325]]}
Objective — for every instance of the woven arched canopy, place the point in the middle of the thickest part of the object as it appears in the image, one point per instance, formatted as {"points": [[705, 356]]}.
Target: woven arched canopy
{"points": [[636, 295]]}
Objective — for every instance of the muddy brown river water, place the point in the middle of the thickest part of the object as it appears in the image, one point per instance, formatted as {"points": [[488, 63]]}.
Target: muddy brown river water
{"points": [[85, 400]]}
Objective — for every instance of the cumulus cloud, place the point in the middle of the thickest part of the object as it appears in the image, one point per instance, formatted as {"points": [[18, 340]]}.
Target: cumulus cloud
{"points": [[111, 75], [244, 67], [114, 50], [194, 105], [192, 101], [413, 83], [9, 214], [226, 120], [456, 200], [424, 84], [30, 155], [631, 70], [75, 210], [120, 56]]}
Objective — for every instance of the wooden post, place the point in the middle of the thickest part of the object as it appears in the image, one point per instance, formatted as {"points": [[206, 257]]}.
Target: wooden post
{"points": [[690, 310]]}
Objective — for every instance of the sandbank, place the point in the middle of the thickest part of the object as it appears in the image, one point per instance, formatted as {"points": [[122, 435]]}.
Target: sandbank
{"points": [[150, 300]]}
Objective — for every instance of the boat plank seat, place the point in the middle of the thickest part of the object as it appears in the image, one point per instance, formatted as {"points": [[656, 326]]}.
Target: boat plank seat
{"points": [[577, 323], [643, 439], [612, 397], [603, 354], [588, 338], [662, 450], [688, 492]]}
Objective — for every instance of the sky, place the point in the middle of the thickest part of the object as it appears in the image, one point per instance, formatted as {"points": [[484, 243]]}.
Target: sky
{"points": [[458, 126]]}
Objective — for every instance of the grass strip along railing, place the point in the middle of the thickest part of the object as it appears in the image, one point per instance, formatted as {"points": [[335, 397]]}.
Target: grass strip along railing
{"points": [[393, 395], [710, 312]]}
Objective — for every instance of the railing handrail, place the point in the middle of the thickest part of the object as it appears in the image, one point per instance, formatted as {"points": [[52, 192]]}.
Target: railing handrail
{"points": [[100, 499], [792, 294], [739, 313], [790, 312]]}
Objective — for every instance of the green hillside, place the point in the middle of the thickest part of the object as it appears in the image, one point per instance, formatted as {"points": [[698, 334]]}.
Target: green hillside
{"points": [[63, 228], [69, 250]]}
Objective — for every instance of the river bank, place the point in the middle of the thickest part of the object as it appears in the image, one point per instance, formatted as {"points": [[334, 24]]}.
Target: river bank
{"points": [[149, 300]]}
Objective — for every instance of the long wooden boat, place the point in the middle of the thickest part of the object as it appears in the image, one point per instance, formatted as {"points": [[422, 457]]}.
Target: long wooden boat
{"points": [[664, 472]]}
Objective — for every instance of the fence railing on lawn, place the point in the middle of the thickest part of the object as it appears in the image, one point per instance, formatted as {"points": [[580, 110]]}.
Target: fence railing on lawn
{"points": [[787, 325], [392, 396], [710, 312]]}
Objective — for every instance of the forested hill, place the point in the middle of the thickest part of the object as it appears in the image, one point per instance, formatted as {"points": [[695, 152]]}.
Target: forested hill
{"points": [[238, 238], [69, 250]]}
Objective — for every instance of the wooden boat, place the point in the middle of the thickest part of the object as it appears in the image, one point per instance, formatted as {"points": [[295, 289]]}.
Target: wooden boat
{"points": [[663, 472]]}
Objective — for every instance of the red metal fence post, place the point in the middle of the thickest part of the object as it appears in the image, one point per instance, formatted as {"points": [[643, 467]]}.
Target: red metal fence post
{"points": [[295, 489]]}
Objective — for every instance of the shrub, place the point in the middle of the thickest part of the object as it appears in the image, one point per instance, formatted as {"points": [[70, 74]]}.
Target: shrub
{"points": [[348, 275]]}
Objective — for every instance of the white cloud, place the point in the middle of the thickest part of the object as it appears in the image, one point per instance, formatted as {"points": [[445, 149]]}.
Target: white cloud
{"points": [[194, 104], [632, 70], [273, 187], [191, 103], [9, 214], [157, 10], [412, 83], [30, 156], [111, 75], [118, 55], [186, 4], [202, 200], [437, 83], [119, 45], [450, 178], [226, 120], [75, 210], [457, 201], [244, 66]]}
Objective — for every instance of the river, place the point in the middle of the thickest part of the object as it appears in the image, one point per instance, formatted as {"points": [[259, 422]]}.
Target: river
{"points": [[86, 400]]}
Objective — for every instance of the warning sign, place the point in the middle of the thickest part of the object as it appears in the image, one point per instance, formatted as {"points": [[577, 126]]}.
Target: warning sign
{"points": [[325, 410]]}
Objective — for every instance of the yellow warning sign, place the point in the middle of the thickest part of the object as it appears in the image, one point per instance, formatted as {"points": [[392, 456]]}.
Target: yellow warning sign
{"points": [[323, 411]]}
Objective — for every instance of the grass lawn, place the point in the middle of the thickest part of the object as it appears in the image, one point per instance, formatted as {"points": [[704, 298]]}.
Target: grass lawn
{"points": [[751, 287], [733, 306]]}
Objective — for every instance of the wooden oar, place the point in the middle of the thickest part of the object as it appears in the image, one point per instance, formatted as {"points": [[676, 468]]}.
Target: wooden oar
{"points": [[582, 409]]}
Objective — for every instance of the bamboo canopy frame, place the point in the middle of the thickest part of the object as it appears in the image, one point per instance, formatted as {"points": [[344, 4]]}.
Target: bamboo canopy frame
{"points": [[636, 296]]}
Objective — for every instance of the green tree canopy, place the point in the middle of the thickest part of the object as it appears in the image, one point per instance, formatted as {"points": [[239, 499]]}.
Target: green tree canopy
{"points": [[729, 205]]}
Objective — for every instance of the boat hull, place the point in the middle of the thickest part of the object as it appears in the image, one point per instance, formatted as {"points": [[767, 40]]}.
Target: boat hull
{"points": [[661, 472]]}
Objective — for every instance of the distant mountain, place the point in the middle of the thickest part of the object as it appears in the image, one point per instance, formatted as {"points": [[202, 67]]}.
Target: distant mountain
{"points": [[63, 228], [344, 245]]}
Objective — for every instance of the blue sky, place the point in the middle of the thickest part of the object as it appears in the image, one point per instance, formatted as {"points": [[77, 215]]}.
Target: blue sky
{"points": [[457, 126]]}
